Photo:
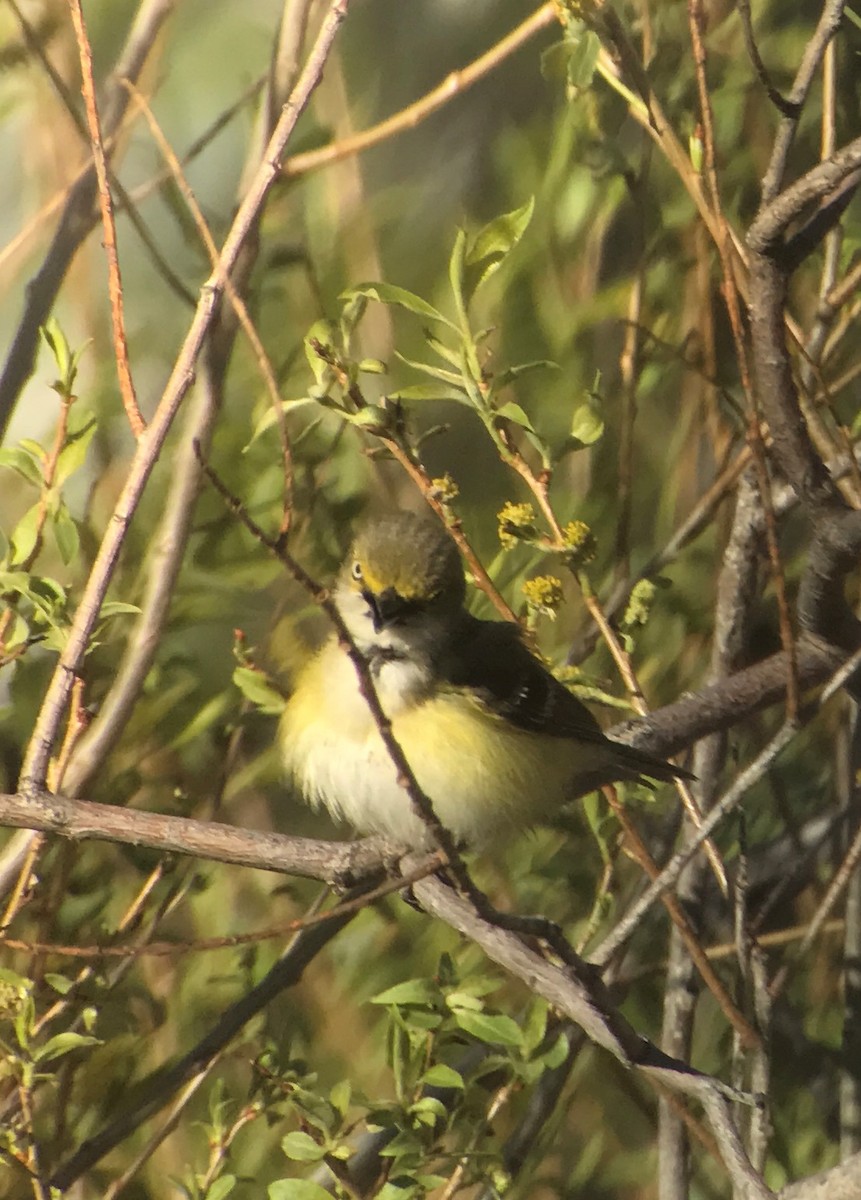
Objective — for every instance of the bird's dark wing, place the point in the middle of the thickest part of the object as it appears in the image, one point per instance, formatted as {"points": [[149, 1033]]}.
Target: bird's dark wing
{"points": [[490, 660]]}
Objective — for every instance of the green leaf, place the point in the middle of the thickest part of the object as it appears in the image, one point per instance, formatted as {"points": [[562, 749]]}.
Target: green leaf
{"points": [[411, 991], [587, 423], [33, 447], [429, 1111], [442, 1076], [65, 533], [429, 391], [302, 1147], [513, 412], [374, 418], [25, 535], [340, 1096], [495, 242], [17, 632], [510, 374], [257, 688], [58, 344], [457, 278], [71, 457], [495, 1030], [451, 377], [445, 352], [60, 983], [11, 979], [583, 61], [23, 463], [464, 999], [557, 1053], [221, 1187], [325, 333], [373, 366], [296, 1189], [389, 293], [63, 1043], [116, 608], [535, 1025]]}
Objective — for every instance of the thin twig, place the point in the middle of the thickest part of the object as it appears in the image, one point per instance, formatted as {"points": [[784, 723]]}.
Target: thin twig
{"points": [[106, 204]]}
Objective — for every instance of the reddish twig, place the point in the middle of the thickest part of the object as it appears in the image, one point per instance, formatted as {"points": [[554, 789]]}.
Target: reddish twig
{"points": [[115, 287]]}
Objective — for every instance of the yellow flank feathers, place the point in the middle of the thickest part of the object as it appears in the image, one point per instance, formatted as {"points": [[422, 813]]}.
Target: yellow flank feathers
{"points": [[485, 777]]}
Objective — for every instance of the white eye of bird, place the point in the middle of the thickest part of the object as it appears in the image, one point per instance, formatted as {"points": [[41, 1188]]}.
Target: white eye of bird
{"points": [[356, 571]]}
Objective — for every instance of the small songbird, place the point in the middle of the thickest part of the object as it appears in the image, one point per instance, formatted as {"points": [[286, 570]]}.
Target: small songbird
{"points": [[494, 740]]}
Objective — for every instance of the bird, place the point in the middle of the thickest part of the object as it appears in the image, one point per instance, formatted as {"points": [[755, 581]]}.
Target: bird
{"points": [[494, 740]]}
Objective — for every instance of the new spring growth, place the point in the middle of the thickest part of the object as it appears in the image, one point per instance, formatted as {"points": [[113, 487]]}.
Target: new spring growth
{"points": [[639, 606], [543, 597], [13, 993], [516, 524], [445, 489], [579, 543], [639, 609]]}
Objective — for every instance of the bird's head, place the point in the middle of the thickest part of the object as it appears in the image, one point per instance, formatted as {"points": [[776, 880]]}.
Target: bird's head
{"points": [[402, 584]]}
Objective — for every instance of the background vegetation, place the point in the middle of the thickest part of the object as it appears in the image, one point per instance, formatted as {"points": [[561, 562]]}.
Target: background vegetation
{"points": [[582, 279]]}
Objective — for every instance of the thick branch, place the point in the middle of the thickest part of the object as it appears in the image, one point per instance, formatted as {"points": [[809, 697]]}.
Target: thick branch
{"points": [[81, 820]]}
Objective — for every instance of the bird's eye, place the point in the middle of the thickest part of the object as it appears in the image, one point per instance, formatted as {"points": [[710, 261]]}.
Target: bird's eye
{"points": [[356, 571]]}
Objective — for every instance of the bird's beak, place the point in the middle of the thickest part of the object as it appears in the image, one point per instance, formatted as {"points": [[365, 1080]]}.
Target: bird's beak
{"points": [[385, 608]]}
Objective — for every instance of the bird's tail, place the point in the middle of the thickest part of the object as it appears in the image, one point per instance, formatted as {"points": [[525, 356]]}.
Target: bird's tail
{"points": [[637, 763]]}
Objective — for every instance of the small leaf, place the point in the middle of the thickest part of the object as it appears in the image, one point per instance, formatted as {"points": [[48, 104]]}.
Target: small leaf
{"points": [[513, 412], [389, 293], [535, 1025], [494, 243], [65, 534], [582, 61], [429, 1111], [501, 235], [429, 391], [33, 447], [17, 632], [63, 1043], [58, 344], [411, 991], [296, 1189], [373, 418], [74, 452], [457, 276], [23, 463], [495, 1030], [257, 688], [373, 366], [557, 1053], [340, 1095], [324, 333], [510, 374], [302, 1147], [116, 608], [442, 1076], [464, 999], [451, 377], [221, 1187], [445, 352], [25, 535], [60, 983], [587, 423]]}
